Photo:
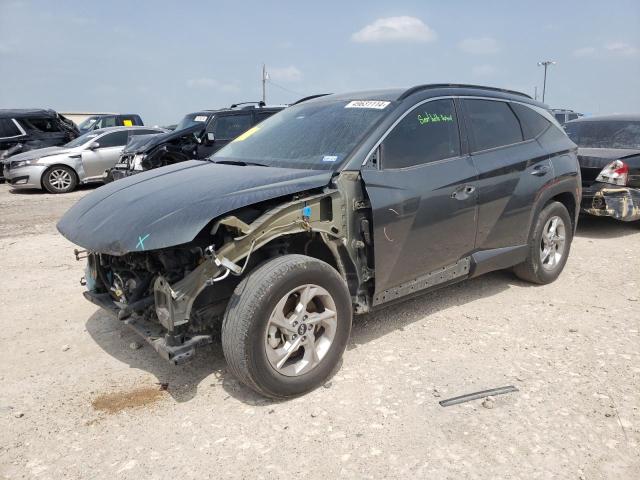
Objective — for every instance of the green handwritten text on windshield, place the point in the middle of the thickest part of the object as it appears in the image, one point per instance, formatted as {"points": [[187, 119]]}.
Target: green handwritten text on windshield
{"points": [[427, 118]]}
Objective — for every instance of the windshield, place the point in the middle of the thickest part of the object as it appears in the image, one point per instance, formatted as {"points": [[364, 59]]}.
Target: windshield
{"points": [[190, 120], [82, 139], [88, 123], [310, 136], [605, 134]]}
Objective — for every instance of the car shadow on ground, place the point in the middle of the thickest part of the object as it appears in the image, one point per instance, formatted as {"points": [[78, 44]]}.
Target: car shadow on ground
{"points": [[36, 191], [209, 365], [590, 226]]}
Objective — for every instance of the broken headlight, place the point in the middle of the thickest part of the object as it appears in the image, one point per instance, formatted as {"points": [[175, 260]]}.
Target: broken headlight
{"points": [[616, 173], [136, 163]]}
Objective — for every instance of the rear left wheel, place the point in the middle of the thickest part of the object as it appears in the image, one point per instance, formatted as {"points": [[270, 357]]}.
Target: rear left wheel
{"points": [[287, 325]]}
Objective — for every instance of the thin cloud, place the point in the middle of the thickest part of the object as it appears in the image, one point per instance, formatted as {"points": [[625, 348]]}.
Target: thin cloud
{"points": [[285, 74], [621, 48], [584, 52], [484, 70], [395, 29], [211, 83], [479, 46]]}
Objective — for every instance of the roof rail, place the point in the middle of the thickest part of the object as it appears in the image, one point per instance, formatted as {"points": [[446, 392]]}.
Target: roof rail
{"points": [[310, 97], [419, 88], [260, 104]]}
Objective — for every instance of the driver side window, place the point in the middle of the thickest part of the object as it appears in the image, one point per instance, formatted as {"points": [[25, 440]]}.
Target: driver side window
{"points": [[428, 133], [229, 127], [115, 139]]}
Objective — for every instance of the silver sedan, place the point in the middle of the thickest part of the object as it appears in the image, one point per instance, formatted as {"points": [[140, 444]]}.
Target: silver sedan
{"points": [[83, 160]]}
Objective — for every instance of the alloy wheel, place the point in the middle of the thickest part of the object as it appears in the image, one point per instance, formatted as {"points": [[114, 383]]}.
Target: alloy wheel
{"points": [[301, 330], [552, 244], [60, 179]]}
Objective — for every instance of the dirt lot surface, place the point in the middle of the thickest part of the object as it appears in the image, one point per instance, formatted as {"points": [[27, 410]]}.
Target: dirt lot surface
{"points": [[78, 402]]}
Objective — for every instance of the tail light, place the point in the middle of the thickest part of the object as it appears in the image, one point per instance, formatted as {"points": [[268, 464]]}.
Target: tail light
{"points": [[616, 172]]}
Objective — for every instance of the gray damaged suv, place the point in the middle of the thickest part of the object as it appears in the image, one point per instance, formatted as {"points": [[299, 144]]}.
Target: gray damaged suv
{"points": [[337, 205]]}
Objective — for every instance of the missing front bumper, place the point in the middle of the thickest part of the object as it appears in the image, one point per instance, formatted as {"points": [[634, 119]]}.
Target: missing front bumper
{"points": [[175, 348], [621, 203]]}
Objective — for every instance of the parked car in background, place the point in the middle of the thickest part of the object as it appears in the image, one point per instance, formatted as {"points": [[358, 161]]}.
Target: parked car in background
{"points": [[609, 156], [563, 115], [83, 160], [28, 129], [197, 136], [336, 205], [94, 122]]}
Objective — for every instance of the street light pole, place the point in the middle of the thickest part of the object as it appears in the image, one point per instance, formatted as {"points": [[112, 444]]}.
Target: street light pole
{"points": [[545, 64]]}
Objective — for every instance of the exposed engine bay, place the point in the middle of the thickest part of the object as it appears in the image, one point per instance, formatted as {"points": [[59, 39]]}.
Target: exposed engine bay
{"points": [[175, 297]]}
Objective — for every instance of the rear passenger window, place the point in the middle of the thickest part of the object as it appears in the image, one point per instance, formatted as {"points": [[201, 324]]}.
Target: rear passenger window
{"points": [[533, 124], [492, 124], [263, 116], [427, 134], [8, 128]]}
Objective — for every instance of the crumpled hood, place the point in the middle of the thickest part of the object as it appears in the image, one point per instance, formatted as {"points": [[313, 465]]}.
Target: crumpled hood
{"points": [[144, 143], [169, 206], [38, 153]]}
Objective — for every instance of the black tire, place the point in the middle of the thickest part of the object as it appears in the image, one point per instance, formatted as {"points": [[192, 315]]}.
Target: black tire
{"points": [[52, 179], [532, 269], [246, 319]]}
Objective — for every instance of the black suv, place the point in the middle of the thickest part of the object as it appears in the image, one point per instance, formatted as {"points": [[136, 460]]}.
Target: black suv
{"points": [[337, 205], [28, 129], [197, 136]]}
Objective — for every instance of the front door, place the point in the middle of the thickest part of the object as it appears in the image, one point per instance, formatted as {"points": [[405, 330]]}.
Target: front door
{"points": [[422, 195], [110, 146], [225, 128]]}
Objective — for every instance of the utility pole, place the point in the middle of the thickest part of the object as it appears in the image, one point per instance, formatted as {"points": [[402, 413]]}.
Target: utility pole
{"points": [[265, 77], [545, 64], [535, 92]]}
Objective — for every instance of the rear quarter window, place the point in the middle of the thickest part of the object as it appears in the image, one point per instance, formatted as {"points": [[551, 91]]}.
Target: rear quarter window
{"points": [[8, 128], [492, 124], [533, 124]]}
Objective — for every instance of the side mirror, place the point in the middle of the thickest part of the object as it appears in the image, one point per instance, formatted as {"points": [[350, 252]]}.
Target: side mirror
{"points": [[210, 137], [94, 146]]}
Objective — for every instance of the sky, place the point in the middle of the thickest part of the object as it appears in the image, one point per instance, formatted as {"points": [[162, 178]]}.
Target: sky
{"points": [[165, 59]]}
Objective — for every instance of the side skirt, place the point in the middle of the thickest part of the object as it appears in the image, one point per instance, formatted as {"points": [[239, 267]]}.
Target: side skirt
{"points": [[458, 270]]}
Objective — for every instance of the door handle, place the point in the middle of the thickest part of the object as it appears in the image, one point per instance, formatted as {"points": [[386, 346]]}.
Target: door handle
{"points": [[540, 170], [462, 193]]}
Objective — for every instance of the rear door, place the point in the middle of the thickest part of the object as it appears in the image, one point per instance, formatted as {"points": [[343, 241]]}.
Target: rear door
{"points": [[422, 195], [512, 168], [95, 162]]}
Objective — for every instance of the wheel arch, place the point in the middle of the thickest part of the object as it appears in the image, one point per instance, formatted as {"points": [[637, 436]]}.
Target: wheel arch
{"points": [[564, 191], [59, 164]]}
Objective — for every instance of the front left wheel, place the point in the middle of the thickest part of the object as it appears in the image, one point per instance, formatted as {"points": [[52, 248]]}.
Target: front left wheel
{"points": [[59, 179], [287, 325]]}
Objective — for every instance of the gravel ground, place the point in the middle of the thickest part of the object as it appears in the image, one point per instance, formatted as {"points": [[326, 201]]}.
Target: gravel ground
{"points": [[78, 402]]}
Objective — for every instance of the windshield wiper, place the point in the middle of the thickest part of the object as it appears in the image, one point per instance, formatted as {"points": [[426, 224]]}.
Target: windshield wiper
{"points": [[238, 162]]}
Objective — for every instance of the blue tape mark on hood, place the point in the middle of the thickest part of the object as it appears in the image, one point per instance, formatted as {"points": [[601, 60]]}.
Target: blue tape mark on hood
{"points": [[173, 204]]}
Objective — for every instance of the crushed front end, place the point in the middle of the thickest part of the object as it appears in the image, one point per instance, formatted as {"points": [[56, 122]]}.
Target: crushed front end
{"points": [[175, 298]]}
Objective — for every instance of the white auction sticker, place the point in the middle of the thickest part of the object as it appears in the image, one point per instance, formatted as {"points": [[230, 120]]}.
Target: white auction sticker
{"points": [[200, 118], [377, 104]]}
